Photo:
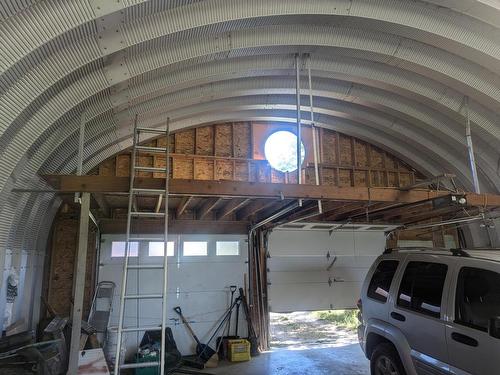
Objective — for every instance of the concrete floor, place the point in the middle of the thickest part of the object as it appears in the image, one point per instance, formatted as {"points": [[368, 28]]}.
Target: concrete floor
{"points": [[342, 360]]}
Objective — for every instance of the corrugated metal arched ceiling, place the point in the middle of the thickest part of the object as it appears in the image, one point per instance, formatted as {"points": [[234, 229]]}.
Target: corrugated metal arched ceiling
{"points": [[389, 71]]}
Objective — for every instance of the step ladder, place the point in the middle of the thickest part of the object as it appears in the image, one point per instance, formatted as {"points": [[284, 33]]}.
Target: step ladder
{"points": [[131, 215], [100, 310]]}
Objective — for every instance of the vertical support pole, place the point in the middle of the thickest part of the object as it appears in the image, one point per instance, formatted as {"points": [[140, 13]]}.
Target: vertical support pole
{"points": [[470, 147], [299, 135], [165, 257], [79, 281], [314, 131]]}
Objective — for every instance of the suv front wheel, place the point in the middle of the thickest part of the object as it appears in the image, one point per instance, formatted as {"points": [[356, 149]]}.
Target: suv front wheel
{"points": [[385, 361]]}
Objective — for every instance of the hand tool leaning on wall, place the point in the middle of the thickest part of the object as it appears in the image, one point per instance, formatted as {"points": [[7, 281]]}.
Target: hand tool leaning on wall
{"points": [[252, 336], [222, 341], [202, 350], [212, 362]]}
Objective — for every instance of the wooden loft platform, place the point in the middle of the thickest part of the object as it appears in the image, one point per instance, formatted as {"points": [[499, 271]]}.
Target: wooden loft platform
{"points": [[221, 182], [230, 206]]}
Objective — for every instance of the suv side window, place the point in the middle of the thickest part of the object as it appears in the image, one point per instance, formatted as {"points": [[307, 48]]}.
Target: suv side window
{"points": [[421, 288], [381, 280], [478, 297]]}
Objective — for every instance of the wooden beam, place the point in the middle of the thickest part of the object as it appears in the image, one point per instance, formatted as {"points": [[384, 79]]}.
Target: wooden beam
{"points": [[254, 207], [150, 226], [79, 283], [182, 206], [207, 206], [232, 206], [72, 184]]}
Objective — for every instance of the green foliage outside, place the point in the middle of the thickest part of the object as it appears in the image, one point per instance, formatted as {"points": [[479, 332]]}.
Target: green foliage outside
{"points": [[343, 318]]}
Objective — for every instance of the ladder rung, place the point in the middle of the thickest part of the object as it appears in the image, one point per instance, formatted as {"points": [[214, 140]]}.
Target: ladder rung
{"points": [[138, 329], [151, 149], [152, 131], [145, 266], [149, 169], [148, 191], [143, 296], [148, 214], [145, 239], [139, 365]]}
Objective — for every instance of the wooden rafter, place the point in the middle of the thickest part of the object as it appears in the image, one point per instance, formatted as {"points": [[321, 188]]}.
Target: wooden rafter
{"points": [[254, 207], [342, 211], [207, 206], [232, 206], [272, 209], [182, 206], [158, 203]]}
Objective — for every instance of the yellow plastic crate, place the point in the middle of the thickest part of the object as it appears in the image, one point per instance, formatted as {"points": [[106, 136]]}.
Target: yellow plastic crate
{"points": [[238, 350]]}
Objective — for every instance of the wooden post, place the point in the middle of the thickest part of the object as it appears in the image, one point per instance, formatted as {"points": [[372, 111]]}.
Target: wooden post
{"points": [[79, 283]]}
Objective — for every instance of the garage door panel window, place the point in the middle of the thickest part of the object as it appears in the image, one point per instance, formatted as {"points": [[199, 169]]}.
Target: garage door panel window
{"points": [[225, 248], [118, 249], [422, 286], [477, 298], [380, 283], [195, 248], [157, 249]]}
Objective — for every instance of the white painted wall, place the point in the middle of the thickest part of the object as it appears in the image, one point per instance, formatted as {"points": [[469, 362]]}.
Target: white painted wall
{"points": [[199, 285], [298, 267]]}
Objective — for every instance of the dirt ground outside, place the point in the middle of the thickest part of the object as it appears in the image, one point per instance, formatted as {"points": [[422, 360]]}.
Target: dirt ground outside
{"points": [[305, 329]]}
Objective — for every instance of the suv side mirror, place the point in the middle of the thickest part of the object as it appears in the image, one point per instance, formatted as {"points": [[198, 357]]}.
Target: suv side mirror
{"points": [[494, 328]]}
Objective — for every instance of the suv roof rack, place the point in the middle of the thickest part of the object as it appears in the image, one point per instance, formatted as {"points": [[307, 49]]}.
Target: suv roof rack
{"points": [[485, 253], [459, 252], [389, 250]]}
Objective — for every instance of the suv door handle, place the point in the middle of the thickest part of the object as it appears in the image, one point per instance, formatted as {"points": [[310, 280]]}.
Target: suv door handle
{"points": [[398, 316], [466, 340]]}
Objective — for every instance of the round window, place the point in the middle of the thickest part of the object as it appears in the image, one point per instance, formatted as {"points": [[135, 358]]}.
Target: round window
{"points": [[281, 151]]}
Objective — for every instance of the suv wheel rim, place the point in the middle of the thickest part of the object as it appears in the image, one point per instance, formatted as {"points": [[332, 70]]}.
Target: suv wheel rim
{"points": [[385, 366]]}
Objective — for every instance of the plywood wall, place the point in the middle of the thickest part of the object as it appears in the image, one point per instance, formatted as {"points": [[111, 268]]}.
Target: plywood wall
{"points": [[63, 254], [235, 151]]}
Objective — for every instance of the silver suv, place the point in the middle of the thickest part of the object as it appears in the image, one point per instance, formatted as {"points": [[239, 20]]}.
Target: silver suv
{"points": [[431, 311]]}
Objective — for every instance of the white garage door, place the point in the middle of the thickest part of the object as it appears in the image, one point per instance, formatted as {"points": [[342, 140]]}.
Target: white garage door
{"points": [[201, 268], [314, 268]]}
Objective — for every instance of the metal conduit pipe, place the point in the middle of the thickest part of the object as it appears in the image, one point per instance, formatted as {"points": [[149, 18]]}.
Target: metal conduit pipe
{"points": [[314, 131], [299, 135]]}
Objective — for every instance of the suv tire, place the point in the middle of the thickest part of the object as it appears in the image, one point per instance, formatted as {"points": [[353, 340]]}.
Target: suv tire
{"points": [[385, 361]]}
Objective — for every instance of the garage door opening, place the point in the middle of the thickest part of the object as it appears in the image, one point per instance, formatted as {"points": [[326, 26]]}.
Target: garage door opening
{"points": [[302, 330], [315, 274]]}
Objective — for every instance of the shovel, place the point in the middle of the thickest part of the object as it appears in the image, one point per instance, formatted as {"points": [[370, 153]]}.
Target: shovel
{"points": [[213, 361], [202, 350]]}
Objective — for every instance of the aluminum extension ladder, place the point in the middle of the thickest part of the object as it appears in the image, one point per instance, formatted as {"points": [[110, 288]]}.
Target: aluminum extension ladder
{"points": [[131, 214]]}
